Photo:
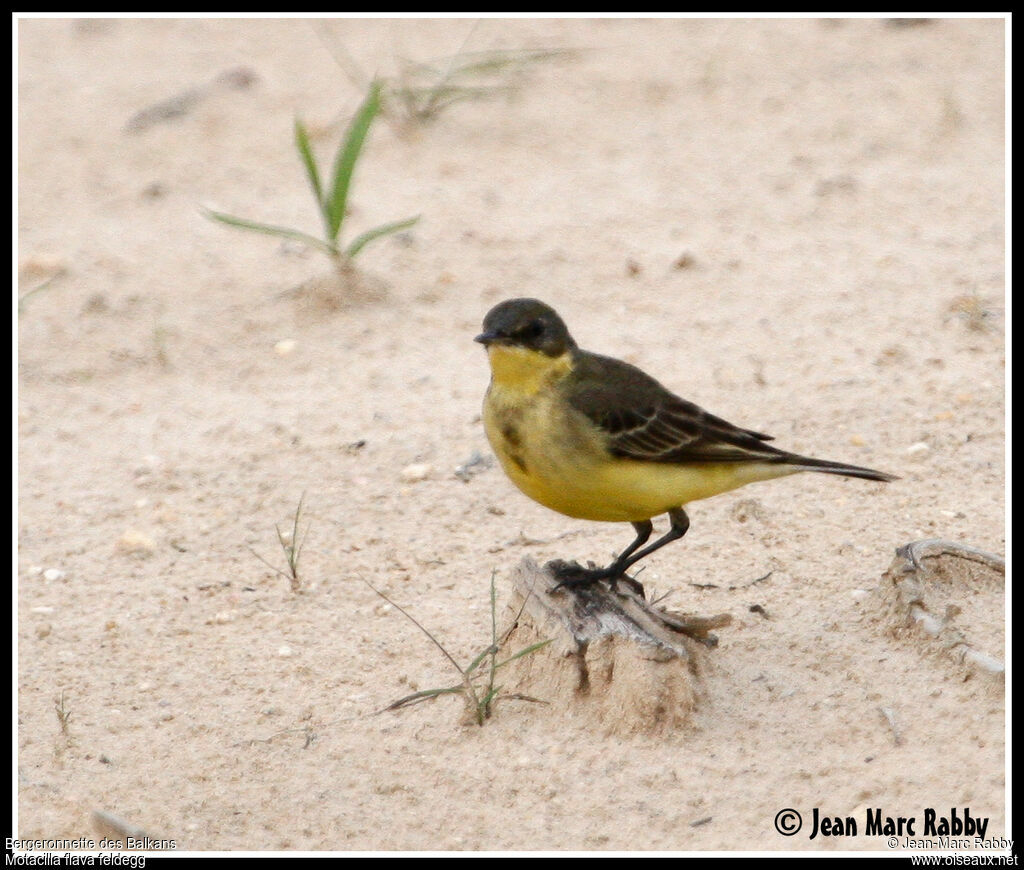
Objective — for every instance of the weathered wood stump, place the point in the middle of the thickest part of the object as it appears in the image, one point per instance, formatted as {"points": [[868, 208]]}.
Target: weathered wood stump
{"points": [[615, 660], [954, 594]]}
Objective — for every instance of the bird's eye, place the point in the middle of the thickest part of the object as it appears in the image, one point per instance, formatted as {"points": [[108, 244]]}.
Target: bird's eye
{"points": [[532, 330]]}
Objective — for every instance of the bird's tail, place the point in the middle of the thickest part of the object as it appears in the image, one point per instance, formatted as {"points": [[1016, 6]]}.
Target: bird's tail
{"points": [[805, 463]]}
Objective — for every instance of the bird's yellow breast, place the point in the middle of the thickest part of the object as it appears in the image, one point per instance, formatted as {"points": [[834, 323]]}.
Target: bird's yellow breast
{"points": [[560, 458]]}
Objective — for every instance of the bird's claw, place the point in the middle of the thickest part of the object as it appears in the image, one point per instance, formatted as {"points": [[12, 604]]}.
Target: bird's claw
{"points": [[572, 575]]}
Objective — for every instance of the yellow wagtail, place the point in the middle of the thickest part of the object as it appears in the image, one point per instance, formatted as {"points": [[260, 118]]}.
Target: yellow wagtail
{"points": [[596, 438]]}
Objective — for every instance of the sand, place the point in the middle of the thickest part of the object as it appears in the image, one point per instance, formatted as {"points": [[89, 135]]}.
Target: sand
{"points": [[797, 224]]}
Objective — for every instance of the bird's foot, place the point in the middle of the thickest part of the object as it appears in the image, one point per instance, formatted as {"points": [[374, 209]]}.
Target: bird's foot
{"points": [[573, 575]]}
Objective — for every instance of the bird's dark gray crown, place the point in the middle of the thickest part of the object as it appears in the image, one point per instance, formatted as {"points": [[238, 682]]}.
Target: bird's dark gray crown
{"points": [[527, 323]]}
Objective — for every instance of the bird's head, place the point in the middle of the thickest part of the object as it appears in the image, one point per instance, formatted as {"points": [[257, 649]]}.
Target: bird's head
{"points": [[528, 324]]}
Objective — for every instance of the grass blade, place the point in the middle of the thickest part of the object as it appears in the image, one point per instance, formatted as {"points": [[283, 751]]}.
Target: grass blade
{"points": [[413, 620], [484, 710], [271, 230], [484, 63], [361, 241], [498, 61], [473, 665], [309, 160], [427, 102], [345, 160], [479, 697], [423, 695], [494, 644], [533, 647]]}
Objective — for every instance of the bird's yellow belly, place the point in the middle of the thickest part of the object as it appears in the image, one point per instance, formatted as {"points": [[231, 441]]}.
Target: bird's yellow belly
{"points": [[561, 462]]}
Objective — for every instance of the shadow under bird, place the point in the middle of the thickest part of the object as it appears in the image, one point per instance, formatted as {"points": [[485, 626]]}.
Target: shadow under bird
{"points": [[596, 438]]}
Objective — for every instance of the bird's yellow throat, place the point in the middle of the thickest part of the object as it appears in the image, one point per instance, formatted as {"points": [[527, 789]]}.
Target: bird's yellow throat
{"points": [[526, 372]]}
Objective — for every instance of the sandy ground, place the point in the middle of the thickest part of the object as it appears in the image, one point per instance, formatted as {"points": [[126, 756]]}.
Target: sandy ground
{"points": [[798, 224]]}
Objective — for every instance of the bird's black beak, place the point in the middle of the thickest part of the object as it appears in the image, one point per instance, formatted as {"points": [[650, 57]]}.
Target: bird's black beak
{"points": [[486, 338]]}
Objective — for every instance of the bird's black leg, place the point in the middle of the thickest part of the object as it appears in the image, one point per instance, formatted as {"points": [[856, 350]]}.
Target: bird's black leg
{"points": [[573, 575], [616, 571], [644, 531], [680, 522]]}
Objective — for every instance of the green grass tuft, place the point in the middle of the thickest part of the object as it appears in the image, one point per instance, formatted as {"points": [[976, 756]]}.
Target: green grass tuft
{"points": [[478, 685], [332, 202]]}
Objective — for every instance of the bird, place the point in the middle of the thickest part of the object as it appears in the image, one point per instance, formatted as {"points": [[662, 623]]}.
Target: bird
{"points": [[596, 438]]}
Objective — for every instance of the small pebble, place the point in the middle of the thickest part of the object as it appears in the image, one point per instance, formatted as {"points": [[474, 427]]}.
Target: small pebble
{"points": [[416, 472], [476, 463], [748, 509], [40, 267], [153, 190], [239, 78], [284, 347], [136, 543], [285, 652], [918, 448], [54, 574]]}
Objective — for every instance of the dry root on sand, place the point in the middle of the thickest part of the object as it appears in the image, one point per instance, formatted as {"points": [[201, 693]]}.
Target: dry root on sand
{"points": [[954, 594], [615, 659]]}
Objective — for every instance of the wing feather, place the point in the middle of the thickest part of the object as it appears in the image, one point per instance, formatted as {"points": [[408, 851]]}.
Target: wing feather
{"points": [[643, 420]]}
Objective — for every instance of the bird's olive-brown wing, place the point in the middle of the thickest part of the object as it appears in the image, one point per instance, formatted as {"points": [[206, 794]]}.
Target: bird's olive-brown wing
{"points": [[642, 420]]}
